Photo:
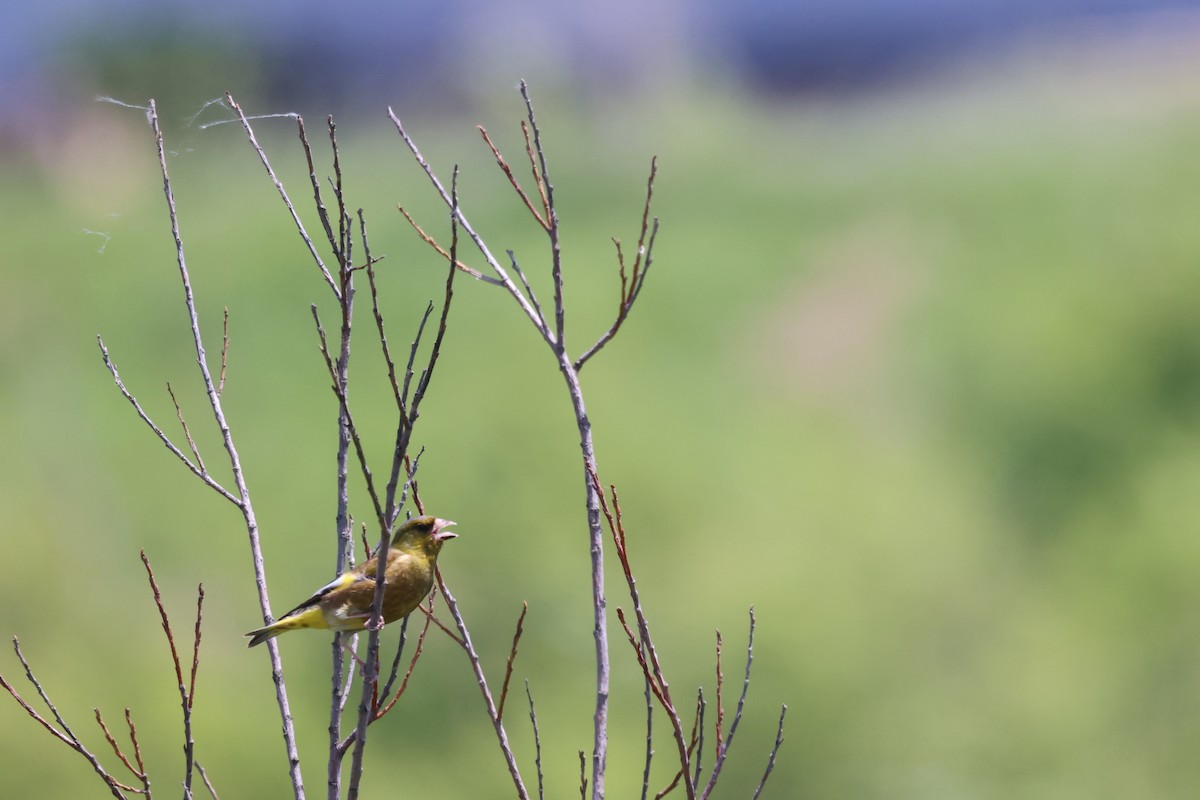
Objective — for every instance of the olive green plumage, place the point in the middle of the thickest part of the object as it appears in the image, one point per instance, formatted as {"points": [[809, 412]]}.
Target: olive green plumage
{"points": [[344, 604]]}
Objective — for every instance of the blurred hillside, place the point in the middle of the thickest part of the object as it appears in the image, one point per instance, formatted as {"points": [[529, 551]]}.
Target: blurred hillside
{"points": [[917, 375]]}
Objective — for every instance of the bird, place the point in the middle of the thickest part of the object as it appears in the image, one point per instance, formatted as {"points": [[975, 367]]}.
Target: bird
{"points": [[344, 604]]}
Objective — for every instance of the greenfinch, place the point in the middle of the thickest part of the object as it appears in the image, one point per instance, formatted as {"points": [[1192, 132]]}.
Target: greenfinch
{"points": [[344, 604]]}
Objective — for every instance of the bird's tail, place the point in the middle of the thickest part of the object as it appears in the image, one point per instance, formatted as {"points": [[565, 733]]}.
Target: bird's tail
{"points": [[312, 618]]}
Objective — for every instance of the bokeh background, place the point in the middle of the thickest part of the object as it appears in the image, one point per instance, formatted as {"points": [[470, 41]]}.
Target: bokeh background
{"points": [[916, 374]]}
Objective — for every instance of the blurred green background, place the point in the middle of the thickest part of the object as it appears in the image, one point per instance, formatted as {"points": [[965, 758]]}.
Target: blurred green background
{"points": [[916, 374]]}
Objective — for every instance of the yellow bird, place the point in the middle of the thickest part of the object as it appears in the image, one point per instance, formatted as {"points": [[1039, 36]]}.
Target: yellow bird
{"points": [[344, 604]]}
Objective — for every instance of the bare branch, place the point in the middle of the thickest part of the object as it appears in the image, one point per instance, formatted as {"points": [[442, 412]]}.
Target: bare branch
{"points": [[512, 179], [287, 201], [243, 494], [198, 471], [224, 356], [188, 744], [429, 240], [537, 741], [631, 286], [737, 715], [191, 693], [112, 742], [513, 770], [551, 225], [65, 736], [512, 656], [207, 783], [186, 433], [533, 167], [486, 252], [774, 752]]}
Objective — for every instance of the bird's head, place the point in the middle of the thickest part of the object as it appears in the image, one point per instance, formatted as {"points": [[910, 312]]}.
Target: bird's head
{"points": [[424, 534]]}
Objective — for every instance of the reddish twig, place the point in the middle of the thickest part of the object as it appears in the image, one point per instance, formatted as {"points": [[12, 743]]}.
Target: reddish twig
{"points": [[185, 699], [429, 240], [512, 179], [533, 168], [140, 775], [512, 656], [727, 742]]}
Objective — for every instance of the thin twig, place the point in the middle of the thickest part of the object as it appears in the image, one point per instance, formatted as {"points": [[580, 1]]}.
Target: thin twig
{"points": [[533, 168], [774, 752], [631, 286], [186, 433], [551, 227], [191, 693], [429, 240], [647, 660], [537, 741], [582, 776], [188, 744], [198, 471], [512, 179], [66, 736], [512, 656], [207, 783], [737, 715], [287, 201], [465, 641], [224, 354], [495, 265], [112, 742], [720, 700], [649, 695], [242, 499]]}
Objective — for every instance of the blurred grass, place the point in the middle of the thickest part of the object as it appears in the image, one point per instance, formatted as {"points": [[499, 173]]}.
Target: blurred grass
{"points": [[916, 378]]}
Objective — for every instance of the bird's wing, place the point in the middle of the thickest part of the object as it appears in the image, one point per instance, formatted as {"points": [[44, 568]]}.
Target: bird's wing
{"points": [[345, 579]]}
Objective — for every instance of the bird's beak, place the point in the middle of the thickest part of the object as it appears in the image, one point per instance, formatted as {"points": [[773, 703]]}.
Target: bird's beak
{"points": [[440, 534]]}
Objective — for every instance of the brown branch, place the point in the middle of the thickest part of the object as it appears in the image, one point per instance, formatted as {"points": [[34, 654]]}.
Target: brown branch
{"points": [[533, 168], [187, 433], [141, 776], [429, 240], [582, 776], [648, 660], [723, 751], [191, 693], [512, 656], [512, 179], [185, 699]]}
